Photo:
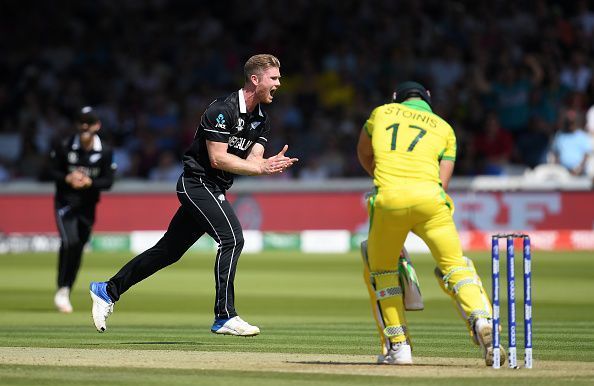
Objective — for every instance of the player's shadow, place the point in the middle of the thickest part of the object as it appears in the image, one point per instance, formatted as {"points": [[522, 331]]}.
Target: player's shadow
{"points": [[40, 309], [365, 364], [161, 343]]}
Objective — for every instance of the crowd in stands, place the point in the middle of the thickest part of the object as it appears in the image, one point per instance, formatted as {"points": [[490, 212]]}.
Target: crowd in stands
{"points": [[514, 79]]}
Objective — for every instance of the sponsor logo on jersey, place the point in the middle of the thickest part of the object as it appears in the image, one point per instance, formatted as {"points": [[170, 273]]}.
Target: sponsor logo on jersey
{"points": [[92, 172], [221, 197], [240, 124], [240, 143], [220, 122]]}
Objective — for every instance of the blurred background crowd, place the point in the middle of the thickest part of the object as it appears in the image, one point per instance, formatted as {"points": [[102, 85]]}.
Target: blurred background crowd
{"points": [[515, 79]]}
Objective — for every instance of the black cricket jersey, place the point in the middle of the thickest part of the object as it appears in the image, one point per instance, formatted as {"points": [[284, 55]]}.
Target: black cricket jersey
{"points": [[225, 120], [68, 155]]}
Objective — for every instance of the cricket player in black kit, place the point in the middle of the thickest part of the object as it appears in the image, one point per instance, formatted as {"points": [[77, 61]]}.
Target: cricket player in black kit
{"points": [[229, 140], [81, 166]]}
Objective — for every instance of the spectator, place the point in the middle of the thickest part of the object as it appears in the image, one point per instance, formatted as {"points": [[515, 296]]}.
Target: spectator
{"points": [[532, 146], [585, 19], [168, 168], [547, 99], [313, 170], [571, 145], [4, 172], [31, 164], [519, 59], [447, 69], [511, 94], [590, 120], [494, 146], [577, 74]]}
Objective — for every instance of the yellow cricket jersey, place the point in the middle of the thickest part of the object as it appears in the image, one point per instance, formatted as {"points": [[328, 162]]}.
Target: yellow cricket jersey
{"points": [[408, 142]]}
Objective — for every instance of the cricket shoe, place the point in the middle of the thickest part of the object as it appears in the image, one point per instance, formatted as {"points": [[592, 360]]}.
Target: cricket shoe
{"points": [[399, 354], [234, 326], [483, 329], [62, 300], [102, 305]]}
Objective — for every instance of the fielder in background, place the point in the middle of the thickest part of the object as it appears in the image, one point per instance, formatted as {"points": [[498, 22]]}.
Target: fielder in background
{"points": [[81, 166], [230, 140], [410, 153]]}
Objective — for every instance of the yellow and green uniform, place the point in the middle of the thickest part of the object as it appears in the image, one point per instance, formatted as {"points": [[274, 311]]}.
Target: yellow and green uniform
{"points": [[409, 141]]}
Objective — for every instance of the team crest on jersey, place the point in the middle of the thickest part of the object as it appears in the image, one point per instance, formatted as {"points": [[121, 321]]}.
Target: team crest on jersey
{"points": [[72, 157], [240, 124], [94, 158], [220, 122], [255, 124]]}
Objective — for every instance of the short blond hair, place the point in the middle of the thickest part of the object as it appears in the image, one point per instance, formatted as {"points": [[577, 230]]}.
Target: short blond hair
{"points": [[257, 64]]}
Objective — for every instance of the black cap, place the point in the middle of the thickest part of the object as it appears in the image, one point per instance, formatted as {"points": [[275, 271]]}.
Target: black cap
{"points": [[87, 115], [411, 89]]}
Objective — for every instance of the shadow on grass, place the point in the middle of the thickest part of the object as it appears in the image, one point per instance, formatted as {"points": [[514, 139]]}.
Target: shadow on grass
{"points": [[34, 310], [156, 343], [365, 364], [162, 343]]}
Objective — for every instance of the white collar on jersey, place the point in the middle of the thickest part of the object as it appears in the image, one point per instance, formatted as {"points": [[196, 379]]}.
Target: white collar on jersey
{"points": [[96, 143], [242, 108]]}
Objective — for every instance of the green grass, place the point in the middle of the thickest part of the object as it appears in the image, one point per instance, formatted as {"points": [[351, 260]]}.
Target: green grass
{"points": [[303, 304]]}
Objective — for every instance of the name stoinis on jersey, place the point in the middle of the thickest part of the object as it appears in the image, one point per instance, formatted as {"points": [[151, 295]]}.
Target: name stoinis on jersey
{"points": [[411, 114], [240, 143]]}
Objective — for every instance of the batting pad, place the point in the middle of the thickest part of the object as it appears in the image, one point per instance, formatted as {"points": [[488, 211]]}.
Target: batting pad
{"points": [[465, 288]]}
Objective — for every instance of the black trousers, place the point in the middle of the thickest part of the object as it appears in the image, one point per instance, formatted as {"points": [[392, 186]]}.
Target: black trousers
{"points": [[204, 209], [75, 226]]}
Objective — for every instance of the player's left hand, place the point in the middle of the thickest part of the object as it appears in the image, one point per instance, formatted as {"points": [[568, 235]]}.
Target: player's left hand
{"points": [[86, 182], [280, 162], [80, 180]]}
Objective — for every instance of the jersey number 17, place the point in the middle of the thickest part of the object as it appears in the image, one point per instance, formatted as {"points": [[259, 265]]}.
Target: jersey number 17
{"points": [[412, 145]]}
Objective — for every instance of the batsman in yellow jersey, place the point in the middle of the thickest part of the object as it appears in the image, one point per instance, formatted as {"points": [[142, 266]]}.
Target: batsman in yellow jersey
{"points": [[410, 153]]}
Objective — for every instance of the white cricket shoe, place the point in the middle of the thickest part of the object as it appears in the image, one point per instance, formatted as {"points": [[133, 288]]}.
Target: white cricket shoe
{"points": [[62, 300], [102, 305], [399, 354], [234, 326], [483, 329]]}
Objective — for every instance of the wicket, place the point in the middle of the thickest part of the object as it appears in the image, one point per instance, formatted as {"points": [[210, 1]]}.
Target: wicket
{"points": [[511, 296]]}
